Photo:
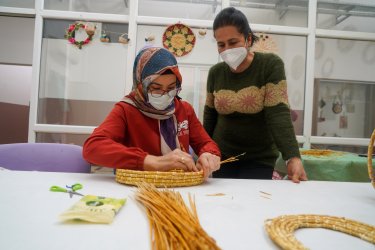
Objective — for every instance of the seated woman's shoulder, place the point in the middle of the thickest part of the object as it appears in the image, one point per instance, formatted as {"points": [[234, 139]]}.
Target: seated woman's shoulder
{"points": [[182, 104]]}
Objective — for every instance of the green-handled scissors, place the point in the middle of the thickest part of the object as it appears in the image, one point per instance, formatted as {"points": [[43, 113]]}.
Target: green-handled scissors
{"points": [[71, 192]]}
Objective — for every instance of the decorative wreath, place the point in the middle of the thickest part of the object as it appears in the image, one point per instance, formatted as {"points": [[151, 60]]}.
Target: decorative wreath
{"points": [[179, 39], [70, 34]]}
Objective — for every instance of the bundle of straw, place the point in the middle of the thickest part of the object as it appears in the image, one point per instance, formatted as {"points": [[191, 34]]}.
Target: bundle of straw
{"points": [[172, 224], [281, 229], [370, 152]]}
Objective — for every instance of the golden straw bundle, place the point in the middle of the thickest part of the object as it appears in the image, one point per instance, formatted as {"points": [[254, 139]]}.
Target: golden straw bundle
{"points": [[369, 158], [173, 178], [172, 224], [281, 229]]}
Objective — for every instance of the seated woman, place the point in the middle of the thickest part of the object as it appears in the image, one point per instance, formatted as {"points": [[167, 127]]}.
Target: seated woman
{"points": [[152, 128]]}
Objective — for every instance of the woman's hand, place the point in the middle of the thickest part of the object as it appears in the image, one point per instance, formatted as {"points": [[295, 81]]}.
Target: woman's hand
{"points": [[176, 159], [296, 172], [209, 163]]}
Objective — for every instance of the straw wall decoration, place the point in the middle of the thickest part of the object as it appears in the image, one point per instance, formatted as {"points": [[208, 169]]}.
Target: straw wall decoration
{"points": [[172, 224], [281, 229], [370, 153]]}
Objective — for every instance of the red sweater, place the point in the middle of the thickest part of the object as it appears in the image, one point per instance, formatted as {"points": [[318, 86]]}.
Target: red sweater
{"points": [[126, 136]]}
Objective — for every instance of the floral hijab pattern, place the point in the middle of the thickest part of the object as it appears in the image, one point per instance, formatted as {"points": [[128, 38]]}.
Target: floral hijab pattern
{"points": [[149, 64]]}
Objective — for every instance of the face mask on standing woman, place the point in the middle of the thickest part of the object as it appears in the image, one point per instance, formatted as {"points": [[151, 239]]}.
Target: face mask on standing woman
{"points": [[234, 57]]}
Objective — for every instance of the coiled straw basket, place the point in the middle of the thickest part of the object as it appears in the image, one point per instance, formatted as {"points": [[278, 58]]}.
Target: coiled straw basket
{"points": [[174, 178], [370, 152]]}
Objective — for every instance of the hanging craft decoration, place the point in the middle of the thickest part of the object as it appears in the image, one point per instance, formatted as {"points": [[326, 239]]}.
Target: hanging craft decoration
{"points": [[265, 43], [337, 105], [150, 38], [179, 39], [71, 32], [124, 40], [104, 38], [202, 32]]}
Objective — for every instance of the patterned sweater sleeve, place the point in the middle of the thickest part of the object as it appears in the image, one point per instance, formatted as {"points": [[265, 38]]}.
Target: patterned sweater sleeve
{"points": [[210, 113], [277, 109]]}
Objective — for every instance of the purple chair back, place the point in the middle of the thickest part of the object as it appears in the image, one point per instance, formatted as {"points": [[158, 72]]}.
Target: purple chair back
{"points": [[48, 157]]}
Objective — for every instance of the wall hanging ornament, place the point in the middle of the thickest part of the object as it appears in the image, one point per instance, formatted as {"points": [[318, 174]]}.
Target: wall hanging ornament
{"points": [[265, 44], [71, 32], [202, 32], [150, 38], [90, 29], [179, 39], [337, 105], [104, 38], [124, 38]]}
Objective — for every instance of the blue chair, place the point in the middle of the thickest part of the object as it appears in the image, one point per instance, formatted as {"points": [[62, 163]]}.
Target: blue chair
{"points": [[48, 157]]}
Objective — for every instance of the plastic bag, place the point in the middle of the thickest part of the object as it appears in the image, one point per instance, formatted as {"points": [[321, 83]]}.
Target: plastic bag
{"points": [[96, 209]]}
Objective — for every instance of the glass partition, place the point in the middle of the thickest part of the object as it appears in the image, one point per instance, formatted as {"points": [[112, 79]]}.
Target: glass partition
{"points": [[187, 9], [66, 138], [349, 15], [30, 4], [96, 6], [78, 86], [343, 108], [274, 12]]}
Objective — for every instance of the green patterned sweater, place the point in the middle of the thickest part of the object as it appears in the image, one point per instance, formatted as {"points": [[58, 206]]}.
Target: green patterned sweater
{"points": [[249, 111]]}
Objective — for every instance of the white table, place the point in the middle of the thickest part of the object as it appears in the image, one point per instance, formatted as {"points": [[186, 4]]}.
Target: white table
{"points": [[29, 212]]}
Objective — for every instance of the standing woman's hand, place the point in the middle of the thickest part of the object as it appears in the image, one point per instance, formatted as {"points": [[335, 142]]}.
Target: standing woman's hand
{"points": [[176, 159], [296, 172], [209, 163]]}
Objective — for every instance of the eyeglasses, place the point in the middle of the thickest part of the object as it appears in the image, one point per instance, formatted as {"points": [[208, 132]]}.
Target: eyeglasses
{"points": [[160, 92]]}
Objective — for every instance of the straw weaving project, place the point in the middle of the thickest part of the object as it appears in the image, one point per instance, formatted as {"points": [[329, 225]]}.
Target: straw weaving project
{"points": [[281, 229], [369, 159], [172, 224], [320, 152], [175, 178]]}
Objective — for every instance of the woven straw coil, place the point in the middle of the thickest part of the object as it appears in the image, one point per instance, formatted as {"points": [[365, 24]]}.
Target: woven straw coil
{"points": [[281, 229], [174, 178], [369, 158]]}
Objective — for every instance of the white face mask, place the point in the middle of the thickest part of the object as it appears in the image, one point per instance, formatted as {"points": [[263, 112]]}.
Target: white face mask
{"points": [[162, 102], [234, 57]]}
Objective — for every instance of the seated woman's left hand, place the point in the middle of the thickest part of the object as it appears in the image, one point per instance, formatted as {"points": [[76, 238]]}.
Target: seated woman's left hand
{"points": [[209, 163]]}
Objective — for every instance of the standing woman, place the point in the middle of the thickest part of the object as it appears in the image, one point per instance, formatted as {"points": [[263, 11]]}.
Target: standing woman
{"points": [[152, 128], [247, 106]]}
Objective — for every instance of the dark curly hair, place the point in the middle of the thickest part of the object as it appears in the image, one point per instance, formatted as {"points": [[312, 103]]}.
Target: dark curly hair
{"points": [[233, 17]]}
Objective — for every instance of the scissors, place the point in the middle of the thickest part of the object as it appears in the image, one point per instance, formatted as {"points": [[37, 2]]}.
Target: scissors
{"points": [[71, 192]]}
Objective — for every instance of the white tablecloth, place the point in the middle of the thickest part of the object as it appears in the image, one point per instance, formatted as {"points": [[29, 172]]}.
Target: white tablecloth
{"points": [[29, 212]]}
